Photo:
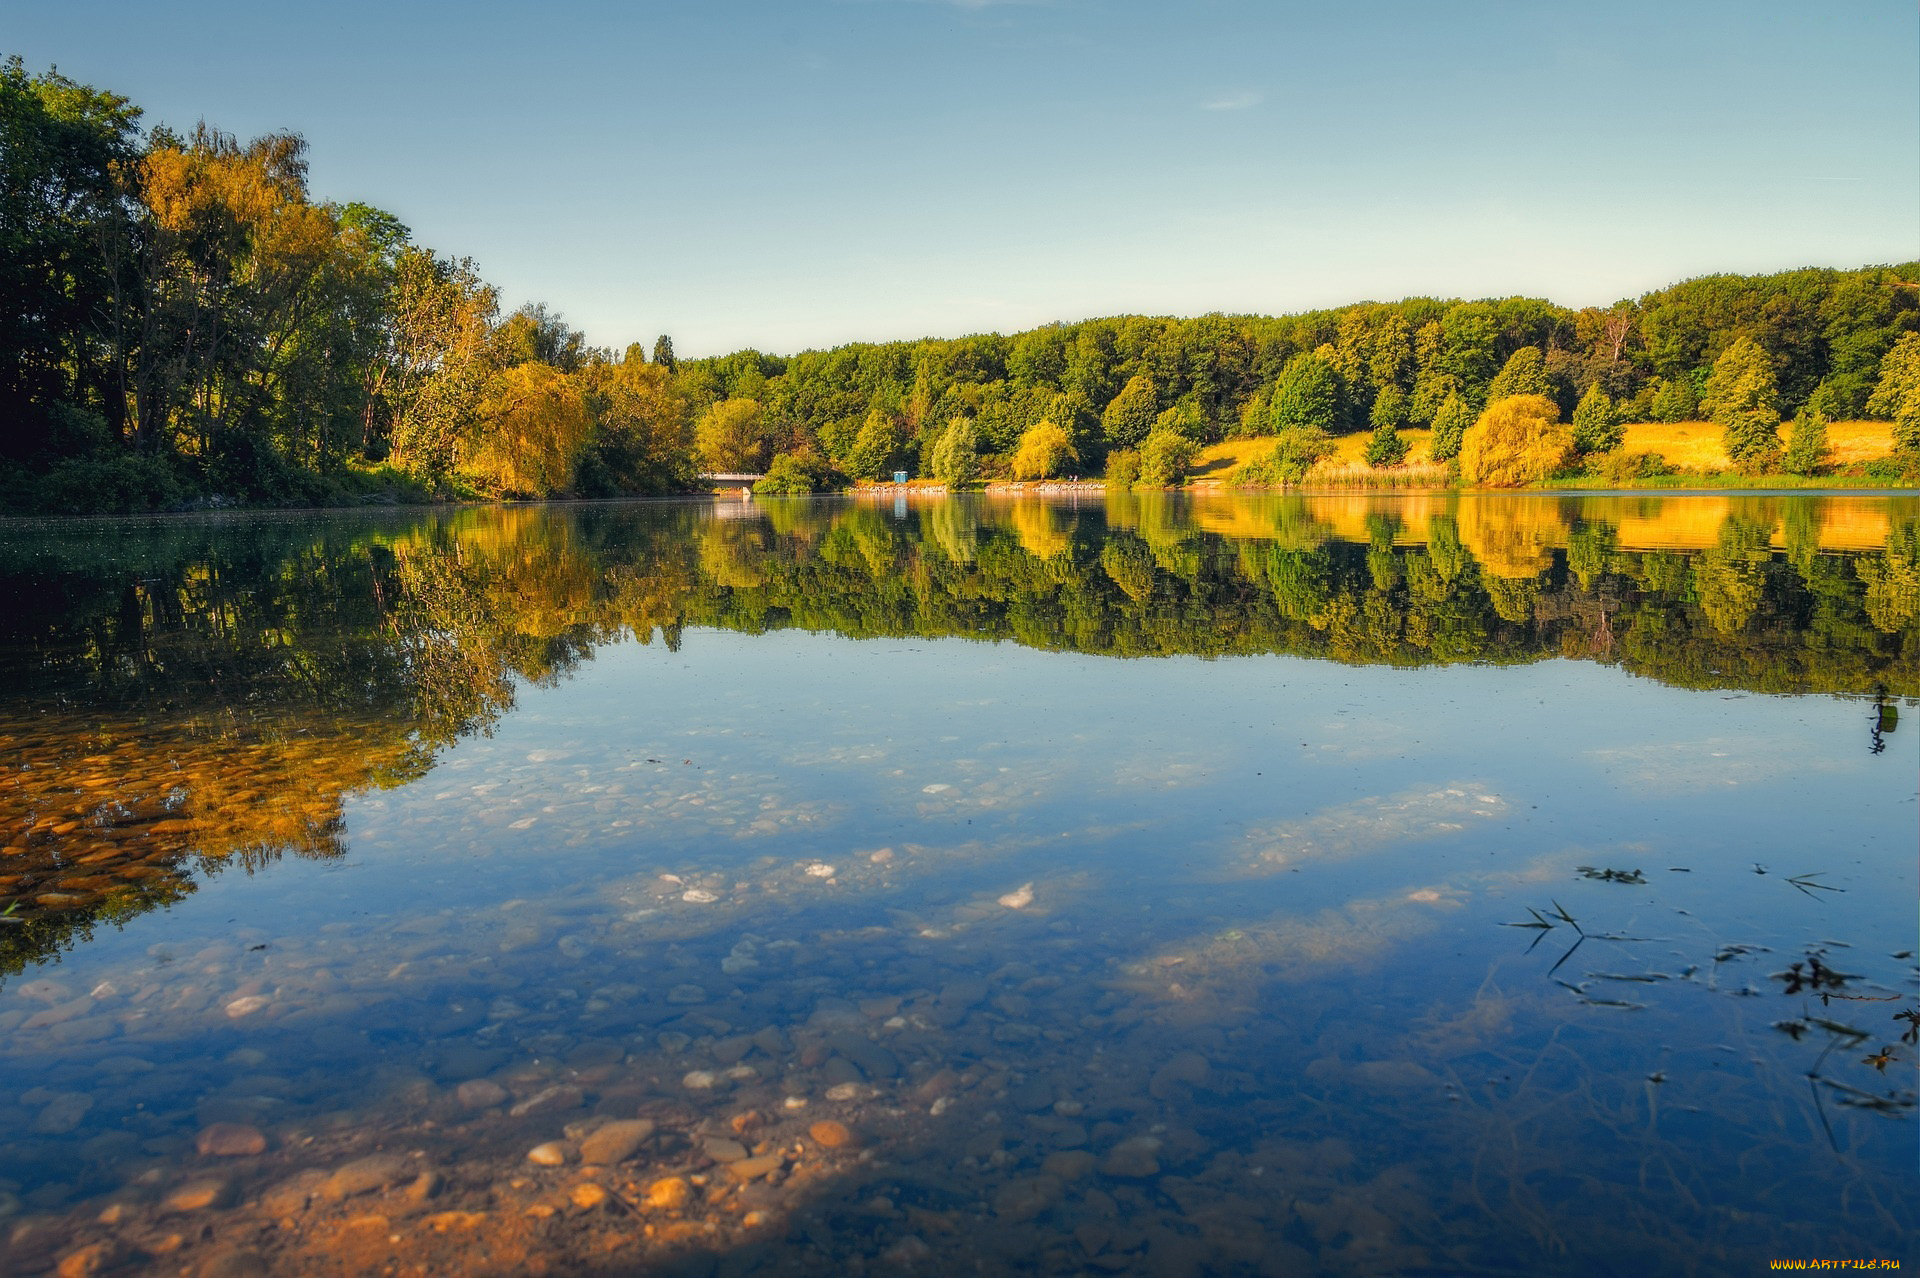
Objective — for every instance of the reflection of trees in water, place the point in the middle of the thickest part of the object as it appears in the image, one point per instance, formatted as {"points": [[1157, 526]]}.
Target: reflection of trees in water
{"points": [[198, 695], [1892, 580]]}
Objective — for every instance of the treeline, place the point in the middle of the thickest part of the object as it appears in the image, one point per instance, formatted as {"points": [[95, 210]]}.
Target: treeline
{"points": [[1067, 398], [183, 317]]}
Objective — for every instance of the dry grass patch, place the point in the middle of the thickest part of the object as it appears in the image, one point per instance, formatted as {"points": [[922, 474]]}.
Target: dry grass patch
{"points": [[1696, 445]]}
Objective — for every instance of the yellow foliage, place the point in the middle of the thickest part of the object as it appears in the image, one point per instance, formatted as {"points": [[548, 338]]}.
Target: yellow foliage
{"points": [[1037, 526], [1518, 440], [1512, 537], [532, 424], [730, 439], [1044, 450]]}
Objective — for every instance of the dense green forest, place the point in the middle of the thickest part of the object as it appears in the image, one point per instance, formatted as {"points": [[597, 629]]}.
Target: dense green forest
{"points": [[185, 323]]}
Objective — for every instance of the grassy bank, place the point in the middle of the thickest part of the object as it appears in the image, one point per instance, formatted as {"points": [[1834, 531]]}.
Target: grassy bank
{"points": [[1691, 452]]}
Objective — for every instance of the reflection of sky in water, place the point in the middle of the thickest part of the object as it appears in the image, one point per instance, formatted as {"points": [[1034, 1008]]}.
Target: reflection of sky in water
{"points": [[1296, 868], [1155, 966]]}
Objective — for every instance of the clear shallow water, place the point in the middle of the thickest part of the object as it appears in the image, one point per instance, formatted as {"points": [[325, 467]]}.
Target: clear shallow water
{"points": [[385, 838]]}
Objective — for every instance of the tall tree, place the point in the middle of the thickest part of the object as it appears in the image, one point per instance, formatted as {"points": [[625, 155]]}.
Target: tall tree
{"points": [[1898, 394], [69, 158], [1807, 452], [956, 458], [1596, 426], [1746, 403], [1130, 415], [1307, 397], [1450, 427], [1525, 373], [663, 353]]}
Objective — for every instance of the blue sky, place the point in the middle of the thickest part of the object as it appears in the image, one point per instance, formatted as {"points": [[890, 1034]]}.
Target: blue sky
{"points": [[805, 172]]}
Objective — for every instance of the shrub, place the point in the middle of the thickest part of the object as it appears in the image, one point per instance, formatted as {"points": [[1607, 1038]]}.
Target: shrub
{"points": [[107, 484], [1123, 468], [1164, 458], [1807, 452], [1293, 454], [1519, 440], [797, 474], [1385, 447], [1621, 466]]}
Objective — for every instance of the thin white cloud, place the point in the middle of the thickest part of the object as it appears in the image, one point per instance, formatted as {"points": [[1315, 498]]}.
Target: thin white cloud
{"points": [[1234, 102]]}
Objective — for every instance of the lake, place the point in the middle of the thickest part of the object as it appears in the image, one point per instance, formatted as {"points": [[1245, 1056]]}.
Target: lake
{"points": [[1390, 884]]}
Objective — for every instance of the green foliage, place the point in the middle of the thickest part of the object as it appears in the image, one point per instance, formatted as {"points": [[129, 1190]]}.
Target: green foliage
{"points": [[1525, 373], [1597, 428], [1294, 453], [730, 437], [956, 458], [1450, 427], [1746, 403], [1622, 467], [797, 474], [1897, 397], [876, 448], [1389, 408], [1385, 447], [1184, 418], [1164, 458], [1123, 468], [1675, 401], [340, 343], [1807, 451], [1130, 416], [1307, 396]]}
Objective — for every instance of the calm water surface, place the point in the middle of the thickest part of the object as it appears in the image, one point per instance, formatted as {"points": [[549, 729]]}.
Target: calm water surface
{"points": [[1217, 886]]}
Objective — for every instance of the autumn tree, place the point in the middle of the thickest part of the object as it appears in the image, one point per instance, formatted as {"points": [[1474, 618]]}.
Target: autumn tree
{"points": [[1044, 452], [425, 389], [729, 437], [532, 424], [641, 440], [1518, 440]]}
